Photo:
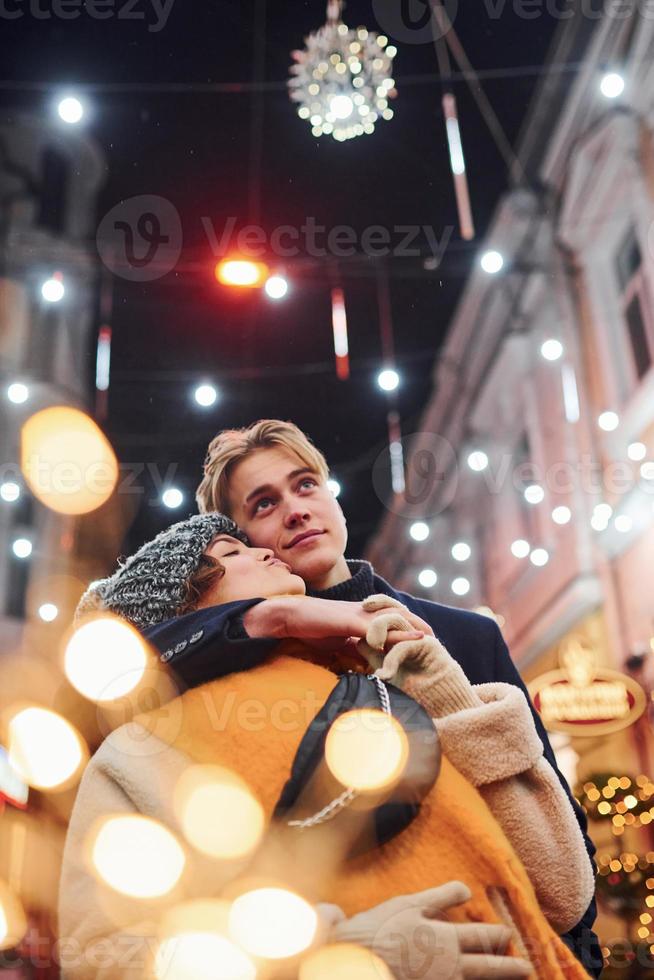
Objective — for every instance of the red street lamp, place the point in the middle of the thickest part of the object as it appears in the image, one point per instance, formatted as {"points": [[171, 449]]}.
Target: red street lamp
{"points": [[241, 272]]}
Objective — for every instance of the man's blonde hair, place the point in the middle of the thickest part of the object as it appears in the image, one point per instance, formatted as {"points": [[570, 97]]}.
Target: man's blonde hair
{"points": [[233, 445]]}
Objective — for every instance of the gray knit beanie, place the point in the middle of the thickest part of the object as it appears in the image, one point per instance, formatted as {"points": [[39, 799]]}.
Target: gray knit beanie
{"points": [[151, 585]]}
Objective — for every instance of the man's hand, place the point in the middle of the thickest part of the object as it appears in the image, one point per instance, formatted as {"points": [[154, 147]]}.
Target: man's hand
{"points": [[306, 618], [411, 934]]}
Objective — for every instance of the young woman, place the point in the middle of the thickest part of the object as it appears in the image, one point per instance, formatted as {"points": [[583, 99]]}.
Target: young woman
{"points": [[494, 843]]}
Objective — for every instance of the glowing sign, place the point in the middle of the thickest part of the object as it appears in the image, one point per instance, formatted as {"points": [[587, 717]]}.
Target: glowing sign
{"points": [[583, 699]]}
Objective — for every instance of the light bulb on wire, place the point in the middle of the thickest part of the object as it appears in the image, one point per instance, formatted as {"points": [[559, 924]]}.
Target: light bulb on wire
{"points": [[388, 379], [492, 262]]}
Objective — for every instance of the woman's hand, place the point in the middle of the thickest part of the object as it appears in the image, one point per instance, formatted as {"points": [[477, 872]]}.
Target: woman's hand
{"points": [[306, 618], [410, 661]]}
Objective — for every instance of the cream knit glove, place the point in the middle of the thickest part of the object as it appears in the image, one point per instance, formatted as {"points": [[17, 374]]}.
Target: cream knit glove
{"points": [[411, 935], [423, 668]]}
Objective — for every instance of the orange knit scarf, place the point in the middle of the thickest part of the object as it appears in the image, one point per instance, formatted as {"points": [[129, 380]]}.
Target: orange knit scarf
{"points": [[252, 722]]}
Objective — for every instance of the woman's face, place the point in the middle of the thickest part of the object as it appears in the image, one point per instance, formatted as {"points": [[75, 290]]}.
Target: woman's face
{"points": [[250, 573]]}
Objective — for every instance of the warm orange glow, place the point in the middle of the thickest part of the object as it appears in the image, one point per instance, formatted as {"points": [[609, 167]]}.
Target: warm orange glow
{"points": [[241, 272], [136, 855], [366, 749], [195, 944], [44, 749], [13, 923], [218, 813], [343, 960], [67, 460], [272, 922], [105, 658]]}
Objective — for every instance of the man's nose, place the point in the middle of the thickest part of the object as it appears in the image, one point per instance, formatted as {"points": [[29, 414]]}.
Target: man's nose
{"points": [[295, 516]]}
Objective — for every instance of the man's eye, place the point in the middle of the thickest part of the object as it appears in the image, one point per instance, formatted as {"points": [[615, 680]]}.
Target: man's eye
{"points": [[263, 500], [309, 480]]}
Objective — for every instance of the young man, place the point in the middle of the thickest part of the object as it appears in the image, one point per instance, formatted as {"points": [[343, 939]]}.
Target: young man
{"points": [[492, 763], [272, 481]]}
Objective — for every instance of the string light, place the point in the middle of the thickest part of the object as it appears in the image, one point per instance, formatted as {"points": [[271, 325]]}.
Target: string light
{"points": [[48, 612], [9, 491], [105, 658], [136, 855], [276, 287], [561, 515], [534, 494], [22, 547], [520, 548], [53, 290], [388, 379], [67, 460], [44, 749], [460, 586], [205, 395], [427, 578], [18, 393], [608, 421], [477, 461], [491, 262], [419, 531], [611, 85], [172, 498], [272, 922], [203, 792], [334, 487], [601, 516], [636, 451], [551, 349], [461, 551], [70, 110]]}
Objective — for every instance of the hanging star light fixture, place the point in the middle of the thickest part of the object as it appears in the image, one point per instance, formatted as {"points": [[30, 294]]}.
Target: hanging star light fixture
{"points": [[342, 79]]}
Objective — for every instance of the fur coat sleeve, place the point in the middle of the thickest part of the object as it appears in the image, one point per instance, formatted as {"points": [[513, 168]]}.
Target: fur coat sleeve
{"points": [[104, 934], [488, 733]]}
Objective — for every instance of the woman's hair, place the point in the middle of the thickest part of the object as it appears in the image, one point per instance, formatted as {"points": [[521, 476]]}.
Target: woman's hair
{"points": [[232, 445], [208, 572]]}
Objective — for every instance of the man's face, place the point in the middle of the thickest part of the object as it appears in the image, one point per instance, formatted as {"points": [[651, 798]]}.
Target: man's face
{"points": [[249, 573], [280, 504]]}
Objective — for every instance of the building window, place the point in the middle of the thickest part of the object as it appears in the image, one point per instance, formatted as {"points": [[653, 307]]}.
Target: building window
{"points": [[635, 304], [54, 188]]}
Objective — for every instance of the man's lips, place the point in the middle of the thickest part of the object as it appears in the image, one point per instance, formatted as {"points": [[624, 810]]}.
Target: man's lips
{"points": [[303, 537]]}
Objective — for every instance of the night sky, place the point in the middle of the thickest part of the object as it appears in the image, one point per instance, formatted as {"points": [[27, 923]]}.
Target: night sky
{"points": [[193, 148]]}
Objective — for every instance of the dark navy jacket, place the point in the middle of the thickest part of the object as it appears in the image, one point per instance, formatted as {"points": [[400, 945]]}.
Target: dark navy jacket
{"points": [[212, 642]]}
